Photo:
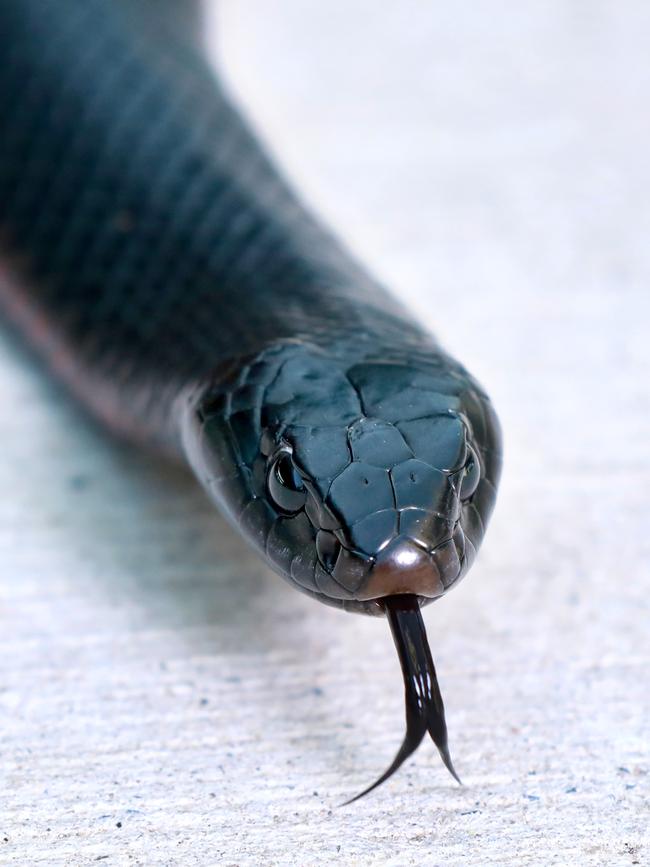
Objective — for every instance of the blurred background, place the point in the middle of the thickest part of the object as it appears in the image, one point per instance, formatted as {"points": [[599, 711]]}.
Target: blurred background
{"points": [[163, 699]]}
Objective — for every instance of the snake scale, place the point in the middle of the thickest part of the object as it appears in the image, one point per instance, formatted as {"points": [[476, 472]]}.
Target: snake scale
{"points": [[158, 262]]}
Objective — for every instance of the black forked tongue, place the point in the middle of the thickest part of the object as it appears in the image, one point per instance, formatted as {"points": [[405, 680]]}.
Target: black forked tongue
{"points": [[425, 711]]}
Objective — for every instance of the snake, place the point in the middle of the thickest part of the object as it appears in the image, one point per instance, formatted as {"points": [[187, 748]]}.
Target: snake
{"points": [[159, 263]]}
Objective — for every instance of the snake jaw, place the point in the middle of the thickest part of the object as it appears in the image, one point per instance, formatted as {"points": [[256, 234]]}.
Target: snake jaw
{"points": [[425, 711]]}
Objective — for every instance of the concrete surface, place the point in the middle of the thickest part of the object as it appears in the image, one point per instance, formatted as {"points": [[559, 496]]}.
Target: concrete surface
{"points": [[163, 699]]}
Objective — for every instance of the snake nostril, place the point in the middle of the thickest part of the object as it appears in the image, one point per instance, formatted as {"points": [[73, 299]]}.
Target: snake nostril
{"points": [[328, 548]]}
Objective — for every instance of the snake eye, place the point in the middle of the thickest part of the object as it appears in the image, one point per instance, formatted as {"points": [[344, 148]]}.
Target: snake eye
{"points": [[285, 484], [471, 475]]}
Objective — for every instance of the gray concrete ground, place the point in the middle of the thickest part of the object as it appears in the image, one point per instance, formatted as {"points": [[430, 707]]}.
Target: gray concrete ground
{"points": [[164, 699]]}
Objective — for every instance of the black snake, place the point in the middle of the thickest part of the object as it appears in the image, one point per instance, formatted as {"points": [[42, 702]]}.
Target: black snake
{"points": [[157, 260]]}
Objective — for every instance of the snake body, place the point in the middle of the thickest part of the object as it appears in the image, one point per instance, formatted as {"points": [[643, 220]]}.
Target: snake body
{"points": [[158, 261]]}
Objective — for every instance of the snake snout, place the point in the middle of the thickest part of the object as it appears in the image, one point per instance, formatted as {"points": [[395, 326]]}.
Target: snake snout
{"points": [[403, 567]]}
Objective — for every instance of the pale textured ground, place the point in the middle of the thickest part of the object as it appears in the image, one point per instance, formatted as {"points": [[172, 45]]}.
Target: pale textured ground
{"points": [[163, 699]]}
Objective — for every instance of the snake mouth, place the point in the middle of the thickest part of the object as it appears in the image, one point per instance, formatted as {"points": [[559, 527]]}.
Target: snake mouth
{"points": [[404, 567], [401, 567]]}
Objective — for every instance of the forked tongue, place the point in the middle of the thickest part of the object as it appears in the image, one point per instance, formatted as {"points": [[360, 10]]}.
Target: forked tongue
{"points": [[425, 711]]}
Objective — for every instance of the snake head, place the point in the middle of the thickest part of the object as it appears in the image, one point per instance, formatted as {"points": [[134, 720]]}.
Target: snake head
{"points": [[358, 476]]}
